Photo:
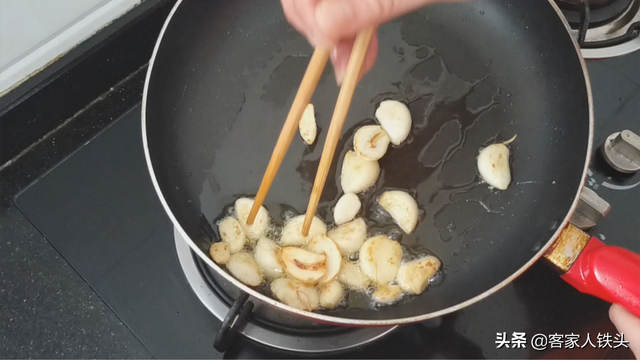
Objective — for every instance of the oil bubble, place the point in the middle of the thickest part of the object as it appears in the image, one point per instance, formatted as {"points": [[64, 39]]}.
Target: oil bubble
{"points": [[376, 232], [288, 214], [379, 215], [276, 230], [436, 279], [394, 234]]}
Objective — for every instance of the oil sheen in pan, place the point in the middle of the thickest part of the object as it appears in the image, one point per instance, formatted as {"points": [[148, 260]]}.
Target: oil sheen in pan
{"points": [[444, 108]]}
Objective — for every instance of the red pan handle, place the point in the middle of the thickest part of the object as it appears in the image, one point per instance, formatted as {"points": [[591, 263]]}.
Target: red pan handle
{"points": [[608, 272]]}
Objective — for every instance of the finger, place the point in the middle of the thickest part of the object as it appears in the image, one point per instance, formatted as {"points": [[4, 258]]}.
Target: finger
{"points": [[338, 19], [305, 11], [627, 324], [293, 15], [372, 54], [342, 52]]}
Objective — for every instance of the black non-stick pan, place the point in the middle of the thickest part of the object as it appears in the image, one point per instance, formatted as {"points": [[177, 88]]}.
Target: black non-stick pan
{"points": [[224, 74]]}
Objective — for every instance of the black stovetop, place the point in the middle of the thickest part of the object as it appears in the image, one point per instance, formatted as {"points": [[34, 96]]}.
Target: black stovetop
{"points": [[89, 267]]}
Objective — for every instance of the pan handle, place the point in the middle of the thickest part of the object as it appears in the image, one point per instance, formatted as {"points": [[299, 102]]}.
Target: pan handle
{"points": [[608, 272]]}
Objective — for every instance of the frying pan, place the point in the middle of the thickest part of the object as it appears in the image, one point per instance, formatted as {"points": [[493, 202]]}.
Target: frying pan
{"points": [[224, 73]]}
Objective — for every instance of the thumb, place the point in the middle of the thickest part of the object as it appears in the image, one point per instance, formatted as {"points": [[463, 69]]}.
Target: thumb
{"points": [[342, 53], [339, 19], [627, 324]]}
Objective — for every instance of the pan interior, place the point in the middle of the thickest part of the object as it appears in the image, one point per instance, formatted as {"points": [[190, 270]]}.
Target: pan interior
{"points": [[472, 73]]}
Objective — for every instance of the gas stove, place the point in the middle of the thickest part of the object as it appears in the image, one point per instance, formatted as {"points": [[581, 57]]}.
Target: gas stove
{"points": [[604, 28], [95, 205]]}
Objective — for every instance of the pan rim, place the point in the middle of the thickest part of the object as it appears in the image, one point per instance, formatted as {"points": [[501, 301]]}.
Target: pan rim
{"points": [[335, 320]]}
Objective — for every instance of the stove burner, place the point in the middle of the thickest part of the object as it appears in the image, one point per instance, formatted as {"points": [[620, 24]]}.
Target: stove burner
{"points": [[272, 328], [603, 28], [305, 328], [601, 12], [595, 4]]}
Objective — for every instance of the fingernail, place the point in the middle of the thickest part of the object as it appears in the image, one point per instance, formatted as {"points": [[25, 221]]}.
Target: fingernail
{"points": [[339, 72], [334, 54], [339, 65]]}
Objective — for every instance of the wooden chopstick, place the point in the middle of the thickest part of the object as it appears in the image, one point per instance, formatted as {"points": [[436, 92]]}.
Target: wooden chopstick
{"points": [[303, 96], [349, 83]]}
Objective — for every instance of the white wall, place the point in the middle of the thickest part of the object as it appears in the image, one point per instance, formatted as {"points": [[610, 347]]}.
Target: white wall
{"points": [[33, 33]]}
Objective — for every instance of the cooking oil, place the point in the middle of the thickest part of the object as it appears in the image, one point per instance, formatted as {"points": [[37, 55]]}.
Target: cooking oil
{"points": [[436, 164]]}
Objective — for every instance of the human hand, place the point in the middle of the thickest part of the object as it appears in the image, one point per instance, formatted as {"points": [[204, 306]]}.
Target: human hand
{"points": [[627, 324], [334, 24]]}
